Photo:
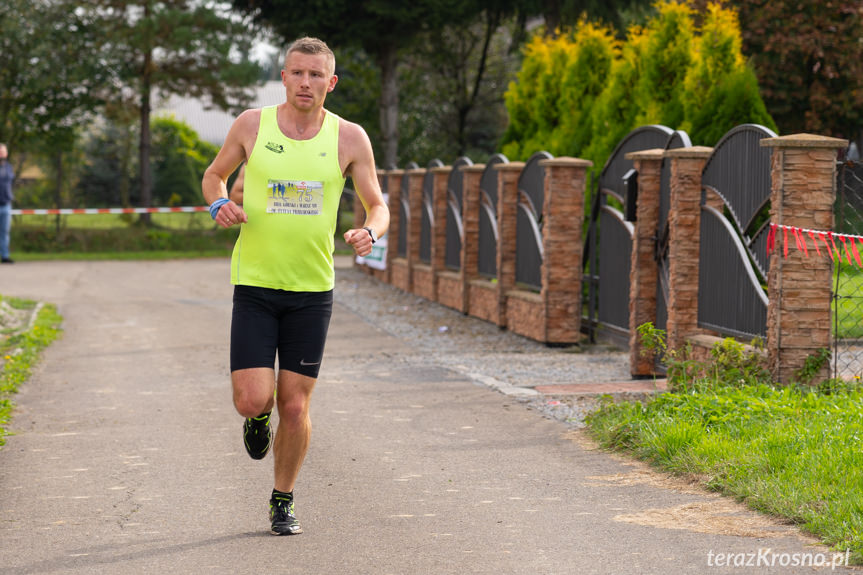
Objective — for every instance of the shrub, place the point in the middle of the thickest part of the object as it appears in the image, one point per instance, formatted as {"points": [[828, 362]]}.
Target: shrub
{"points": [[581, 93]]}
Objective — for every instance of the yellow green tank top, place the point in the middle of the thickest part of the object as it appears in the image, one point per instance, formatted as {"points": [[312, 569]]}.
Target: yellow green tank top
{"points": [[291, 196]]}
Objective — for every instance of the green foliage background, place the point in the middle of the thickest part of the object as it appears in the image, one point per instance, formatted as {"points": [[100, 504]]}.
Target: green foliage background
{"points": [[578, 94]]}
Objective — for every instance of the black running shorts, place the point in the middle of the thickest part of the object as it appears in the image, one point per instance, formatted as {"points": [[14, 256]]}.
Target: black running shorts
{"points": [[294, 323]]}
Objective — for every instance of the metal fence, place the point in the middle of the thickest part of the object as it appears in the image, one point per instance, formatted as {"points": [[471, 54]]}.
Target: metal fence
{"points": [[427, 216], [405, 212], [488, 233], [454, 224], [528, 241], [847, 293]]}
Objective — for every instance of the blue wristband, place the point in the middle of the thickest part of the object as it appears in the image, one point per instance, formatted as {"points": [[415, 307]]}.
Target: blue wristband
{"points": [[214, 207]]}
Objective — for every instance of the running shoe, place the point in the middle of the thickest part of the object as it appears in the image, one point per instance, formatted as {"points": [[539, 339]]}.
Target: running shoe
{"points": [[257, 436], [282, 516]]}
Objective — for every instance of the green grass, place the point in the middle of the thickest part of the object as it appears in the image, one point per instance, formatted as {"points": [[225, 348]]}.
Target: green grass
{"points": [[788, 452], [174, 221], [20, 351], [120, 236], [847, 310], [141, 255]]}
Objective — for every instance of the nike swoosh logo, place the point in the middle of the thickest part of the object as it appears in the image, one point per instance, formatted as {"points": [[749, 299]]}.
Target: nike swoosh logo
{"points": [[304, 362]]}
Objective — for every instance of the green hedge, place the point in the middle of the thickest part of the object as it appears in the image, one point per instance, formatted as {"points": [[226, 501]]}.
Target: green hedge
{"points": [[578, 94]]}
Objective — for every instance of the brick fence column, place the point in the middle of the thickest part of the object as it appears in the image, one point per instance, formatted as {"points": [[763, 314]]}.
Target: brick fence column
{"points": [[439, 208], [802, 195], [563, 221], [643, 271], [470, 224], [507, 213], [394, 193], [684, 245]]}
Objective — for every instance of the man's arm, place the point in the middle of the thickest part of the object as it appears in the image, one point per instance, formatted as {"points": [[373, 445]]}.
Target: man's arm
{"points": [[358, 148], [240, 138]]}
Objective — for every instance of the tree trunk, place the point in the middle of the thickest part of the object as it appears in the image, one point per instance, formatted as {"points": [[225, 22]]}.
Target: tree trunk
{"points": [[551, 13], [144, 143], [389, 105], [58, 189]]}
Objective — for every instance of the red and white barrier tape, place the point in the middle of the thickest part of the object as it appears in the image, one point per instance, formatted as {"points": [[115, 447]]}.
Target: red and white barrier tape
{"points": [[75, 211]]}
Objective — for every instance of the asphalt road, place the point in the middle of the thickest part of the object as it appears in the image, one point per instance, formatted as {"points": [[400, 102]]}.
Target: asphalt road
{"points": [[127, 458]]}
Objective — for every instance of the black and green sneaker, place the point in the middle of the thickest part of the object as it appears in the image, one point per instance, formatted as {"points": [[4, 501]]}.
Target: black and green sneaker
{"points": [[257, 435], [282, 515]]}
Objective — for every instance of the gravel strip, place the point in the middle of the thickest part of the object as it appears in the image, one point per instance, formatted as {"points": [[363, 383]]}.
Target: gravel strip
{"points": [[488, 355]]}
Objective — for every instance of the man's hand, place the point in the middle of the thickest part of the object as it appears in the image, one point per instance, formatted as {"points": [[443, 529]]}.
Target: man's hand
{"points": [[360, 240], [231, 214]]}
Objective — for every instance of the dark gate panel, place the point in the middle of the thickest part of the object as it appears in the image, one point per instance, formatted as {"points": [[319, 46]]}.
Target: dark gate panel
{"points": [[733, 248], [738, 304], [614, 253], [454, 225], [531, 195], [488, 234], [427, 216]]}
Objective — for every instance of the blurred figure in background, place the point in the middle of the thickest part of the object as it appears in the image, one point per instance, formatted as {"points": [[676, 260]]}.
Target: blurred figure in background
{"points": [[7, 176]]}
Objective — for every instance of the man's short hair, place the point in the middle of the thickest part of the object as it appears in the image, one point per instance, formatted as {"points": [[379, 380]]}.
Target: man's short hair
{"points": [[312, 46]]}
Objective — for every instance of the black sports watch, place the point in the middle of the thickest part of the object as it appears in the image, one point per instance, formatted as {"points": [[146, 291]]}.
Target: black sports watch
{"points": [[372, 234]]}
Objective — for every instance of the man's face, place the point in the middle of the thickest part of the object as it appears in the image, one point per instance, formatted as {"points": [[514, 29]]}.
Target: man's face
{"points": [[307, 79], [4, 153]]}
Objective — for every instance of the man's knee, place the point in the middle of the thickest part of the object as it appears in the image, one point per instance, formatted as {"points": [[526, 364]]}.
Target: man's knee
{"points": [[253, 393], [249, 406], [293, 410]]}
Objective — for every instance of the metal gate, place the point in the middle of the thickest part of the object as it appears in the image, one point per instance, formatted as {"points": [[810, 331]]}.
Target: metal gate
{"points": [[608, 246]]}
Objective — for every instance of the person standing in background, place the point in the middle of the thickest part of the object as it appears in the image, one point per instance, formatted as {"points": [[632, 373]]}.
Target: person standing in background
{"points": [[7, 176]]}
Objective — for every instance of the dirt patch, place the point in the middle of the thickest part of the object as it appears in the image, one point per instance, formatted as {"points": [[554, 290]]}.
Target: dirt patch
{"points": [[716, 516]]}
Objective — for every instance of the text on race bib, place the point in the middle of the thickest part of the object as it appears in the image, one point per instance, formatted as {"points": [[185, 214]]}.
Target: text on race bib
{"points": [[300, 198]]}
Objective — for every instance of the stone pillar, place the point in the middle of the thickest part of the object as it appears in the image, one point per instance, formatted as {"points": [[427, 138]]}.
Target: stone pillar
{"points": [[563, 221], [470, 223], [684, 222], [438, 231], [643, 271], [507, 213], [394, 197], [802, 195]]}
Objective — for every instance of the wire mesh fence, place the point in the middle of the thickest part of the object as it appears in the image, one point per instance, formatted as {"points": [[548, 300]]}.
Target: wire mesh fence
{"points": [[847, 292]]}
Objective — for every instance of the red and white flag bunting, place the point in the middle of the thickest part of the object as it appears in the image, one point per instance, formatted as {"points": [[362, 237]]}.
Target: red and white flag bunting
{"points": [[833, 244]]}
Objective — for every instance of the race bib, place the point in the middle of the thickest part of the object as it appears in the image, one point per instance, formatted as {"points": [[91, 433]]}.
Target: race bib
{"points": [[300, 198]]}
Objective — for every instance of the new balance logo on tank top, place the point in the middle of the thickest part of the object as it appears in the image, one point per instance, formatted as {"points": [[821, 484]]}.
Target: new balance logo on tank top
{"points": [[291, 195]]}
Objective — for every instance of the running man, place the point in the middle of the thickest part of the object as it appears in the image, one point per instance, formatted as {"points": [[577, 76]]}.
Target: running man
{"points": [[282, 266]]}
